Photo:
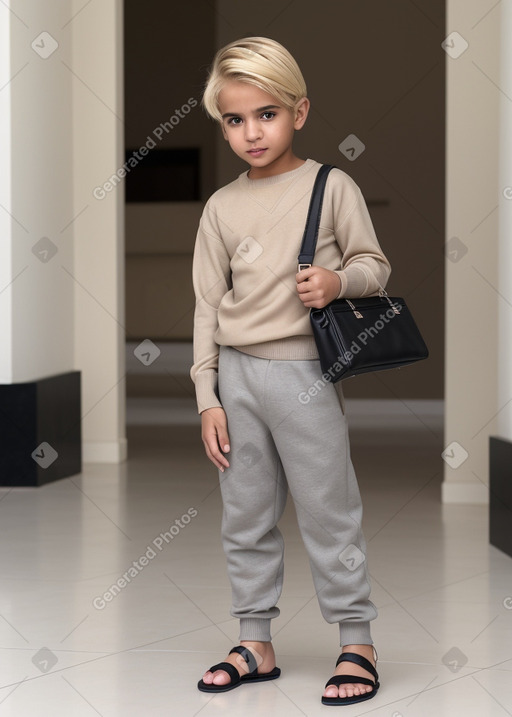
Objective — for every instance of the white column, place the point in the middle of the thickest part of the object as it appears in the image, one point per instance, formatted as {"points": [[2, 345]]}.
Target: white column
{"points": [[504, 400], [36, 298], [5, 202], [99, 230], [472, 291]]}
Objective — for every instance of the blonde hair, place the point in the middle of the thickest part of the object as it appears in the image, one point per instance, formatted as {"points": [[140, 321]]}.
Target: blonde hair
{"points": [[257, 61]]}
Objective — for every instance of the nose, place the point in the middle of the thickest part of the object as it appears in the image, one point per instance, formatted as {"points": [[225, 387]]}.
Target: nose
{"points": [[252, 130]]}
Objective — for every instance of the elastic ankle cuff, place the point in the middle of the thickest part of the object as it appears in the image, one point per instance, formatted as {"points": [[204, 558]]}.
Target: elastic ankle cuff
{"points": [[255, 629], [355, 633]]}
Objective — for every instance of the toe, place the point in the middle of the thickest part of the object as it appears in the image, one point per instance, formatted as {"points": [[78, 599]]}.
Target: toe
{"points": [[220, 677], [346, 690], [331, 691], [359, 689], [208, 678]]}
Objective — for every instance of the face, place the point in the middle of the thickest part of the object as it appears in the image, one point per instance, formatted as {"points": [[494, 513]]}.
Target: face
{"points": [[259, 129]]}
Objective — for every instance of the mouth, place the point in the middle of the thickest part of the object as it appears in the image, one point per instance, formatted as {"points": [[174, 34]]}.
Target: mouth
{"points": [[257, 151]]}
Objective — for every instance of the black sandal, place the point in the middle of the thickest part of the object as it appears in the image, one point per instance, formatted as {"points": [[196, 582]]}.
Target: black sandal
{"points": [[236, 678], [338, 680]]}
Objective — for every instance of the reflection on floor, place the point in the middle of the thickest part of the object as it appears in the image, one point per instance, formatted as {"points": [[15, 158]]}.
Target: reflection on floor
{"points": [[114, 597]]}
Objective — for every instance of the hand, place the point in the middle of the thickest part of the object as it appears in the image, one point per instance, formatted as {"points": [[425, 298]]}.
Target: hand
{"points": [[214, 433], [317, 286]]}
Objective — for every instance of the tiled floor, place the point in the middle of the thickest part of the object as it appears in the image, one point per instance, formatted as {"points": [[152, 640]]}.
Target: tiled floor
{"points": [[69, 646]]}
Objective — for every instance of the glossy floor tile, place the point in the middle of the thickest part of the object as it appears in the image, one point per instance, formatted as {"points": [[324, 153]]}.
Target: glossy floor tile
{"points": [[114, 597]]}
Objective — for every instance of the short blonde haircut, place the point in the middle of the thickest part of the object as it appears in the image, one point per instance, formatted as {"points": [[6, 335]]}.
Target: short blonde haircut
{"points": [[257, 61]]}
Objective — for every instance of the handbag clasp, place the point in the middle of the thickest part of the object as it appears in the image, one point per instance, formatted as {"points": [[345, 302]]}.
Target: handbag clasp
{"points": [[384, 295], [357, 313], [395, 308]]}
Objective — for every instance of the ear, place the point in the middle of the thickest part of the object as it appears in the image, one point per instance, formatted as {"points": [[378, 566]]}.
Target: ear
{"points": [[301, 112], [224, 133]]}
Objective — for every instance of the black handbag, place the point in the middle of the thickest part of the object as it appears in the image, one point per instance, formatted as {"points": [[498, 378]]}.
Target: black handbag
{"points": [[355, 336]]}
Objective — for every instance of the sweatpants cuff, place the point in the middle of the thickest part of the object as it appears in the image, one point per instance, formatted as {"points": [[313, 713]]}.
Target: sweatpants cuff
{"points": [[256, 629], [355, 633]]}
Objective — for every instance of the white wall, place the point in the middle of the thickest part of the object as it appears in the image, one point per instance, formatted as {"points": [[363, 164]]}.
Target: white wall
{"points": [[5, 201], [61, 121], [472, 200], [37, 307]]}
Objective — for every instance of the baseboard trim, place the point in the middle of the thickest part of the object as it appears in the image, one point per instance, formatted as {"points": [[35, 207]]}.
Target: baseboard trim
{"points": [[400, 414], [105, 451], [375, 414]]}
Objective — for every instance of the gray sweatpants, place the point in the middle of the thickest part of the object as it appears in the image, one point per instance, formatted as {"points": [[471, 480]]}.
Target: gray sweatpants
{"points": [[288, 430]]}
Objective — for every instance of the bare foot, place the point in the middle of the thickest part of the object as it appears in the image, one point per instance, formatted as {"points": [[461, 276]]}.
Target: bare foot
{"points": [[354, 689], [263, 653]]}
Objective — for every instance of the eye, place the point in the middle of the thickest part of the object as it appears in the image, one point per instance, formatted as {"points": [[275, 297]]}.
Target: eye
{"points": [[268, 115], [234, 121]]}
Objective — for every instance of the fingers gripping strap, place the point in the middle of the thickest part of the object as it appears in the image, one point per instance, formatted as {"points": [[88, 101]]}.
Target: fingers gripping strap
{"points": [[307, 250], [248, 657]]}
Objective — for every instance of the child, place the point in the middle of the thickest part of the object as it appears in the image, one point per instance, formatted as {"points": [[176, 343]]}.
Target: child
{"points": [[255, 356]]}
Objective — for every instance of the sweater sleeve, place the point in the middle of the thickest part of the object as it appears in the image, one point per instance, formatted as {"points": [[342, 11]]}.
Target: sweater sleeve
{"points": [[211, 275], [364, 268]]}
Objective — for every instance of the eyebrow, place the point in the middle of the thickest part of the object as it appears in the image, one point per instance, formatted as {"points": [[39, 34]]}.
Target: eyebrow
{"points": [[259, 109]]}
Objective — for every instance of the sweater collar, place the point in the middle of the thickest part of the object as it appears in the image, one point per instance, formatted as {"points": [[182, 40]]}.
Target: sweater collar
{"points": [[276, 178]]}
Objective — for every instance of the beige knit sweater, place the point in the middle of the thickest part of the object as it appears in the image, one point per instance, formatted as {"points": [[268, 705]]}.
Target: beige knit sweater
{"points": [[245, 261]]}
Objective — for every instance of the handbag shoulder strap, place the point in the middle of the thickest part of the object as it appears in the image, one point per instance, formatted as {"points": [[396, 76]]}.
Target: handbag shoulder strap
{"points": [[307, 249]]}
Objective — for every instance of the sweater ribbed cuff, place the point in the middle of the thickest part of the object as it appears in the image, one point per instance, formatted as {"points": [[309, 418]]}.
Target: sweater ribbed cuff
{"points": [[343, 284], [354, 282], [255, 629], [206, 391], [355, 633], [290, 348]]}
